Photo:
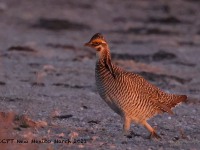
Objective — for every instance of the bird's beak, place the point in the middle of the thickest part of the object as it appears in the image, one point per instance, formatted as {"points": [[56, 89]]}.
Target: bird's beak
{"points": [[87, 44]]}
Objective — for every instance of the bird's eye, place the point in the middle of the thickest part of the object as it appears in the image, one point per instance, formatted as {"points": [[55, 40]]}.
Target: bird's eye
{"points": [[95, 43]]}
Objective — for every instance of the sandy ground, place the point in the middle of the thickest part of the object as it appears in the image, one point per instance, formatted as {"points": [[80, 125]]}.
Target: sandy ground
{"points": [[47, 85]]}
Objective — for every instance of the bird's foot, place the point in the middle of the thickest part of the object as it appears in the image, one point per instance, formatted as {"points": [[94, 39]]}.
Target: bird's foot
{"points": [[154, 135], [130, 134]]}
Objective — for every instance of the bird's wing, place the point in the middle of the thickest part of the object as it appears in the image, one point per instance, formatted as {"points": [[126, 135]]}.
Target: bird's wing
{"points": [[153, 93], [156, 96]]}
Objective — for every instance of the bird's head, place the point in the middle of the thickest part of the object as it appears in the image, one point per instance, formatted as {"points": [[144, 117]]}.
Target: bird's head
{"points": [[97, 42]]}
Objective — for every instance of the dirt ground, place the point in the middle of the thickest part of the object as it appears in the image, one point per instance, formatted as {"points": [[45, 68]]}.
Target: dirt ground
{"points": [[47, 84]]}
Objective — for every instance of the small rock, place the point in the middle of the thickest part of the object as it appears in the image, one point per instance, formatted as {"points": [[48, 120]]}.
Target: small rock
{"points": [[61, 135], [81, 146], [41, 124], [94, 138], [85, 107], [112, 146], [124, 142], [73, 135], [94, 121], [175, 138], [49, 68]]}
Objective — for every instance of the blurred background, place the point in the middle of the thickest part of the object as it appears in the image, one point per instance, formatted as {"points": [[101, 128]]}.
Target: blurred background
{"points": [[47, 75]]}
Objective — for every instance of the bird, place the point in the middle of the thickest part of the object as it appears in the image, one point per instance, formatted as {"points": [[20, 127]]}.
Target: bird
{"points": [[128, 94]]}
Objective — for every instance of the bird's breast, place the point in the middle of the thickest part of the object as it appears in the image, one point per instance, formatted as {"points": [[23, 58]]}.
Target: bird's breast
{"points": [[110, 88]]}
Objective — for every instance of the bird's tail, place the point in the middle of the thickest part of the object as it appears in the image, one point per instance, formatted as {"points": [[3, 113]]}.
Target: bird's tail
{"points": [[171, 101], [177, 99]]}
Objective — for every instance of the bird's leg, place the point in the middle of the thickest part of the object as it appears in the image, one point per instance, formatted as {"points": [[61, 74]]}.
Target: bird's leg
{"points": [[126, 126], [152, 131]]}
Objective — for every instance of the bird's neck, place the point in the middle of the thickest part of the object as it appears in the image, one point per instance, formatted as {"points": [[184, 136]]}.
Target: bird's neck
{"points": [[103, 55], [104, 59]]}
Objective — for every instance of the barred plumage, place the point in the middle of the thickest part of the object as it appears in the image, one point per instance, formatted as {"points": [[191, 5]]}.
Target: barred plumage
{"points": [[129, 94]]}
